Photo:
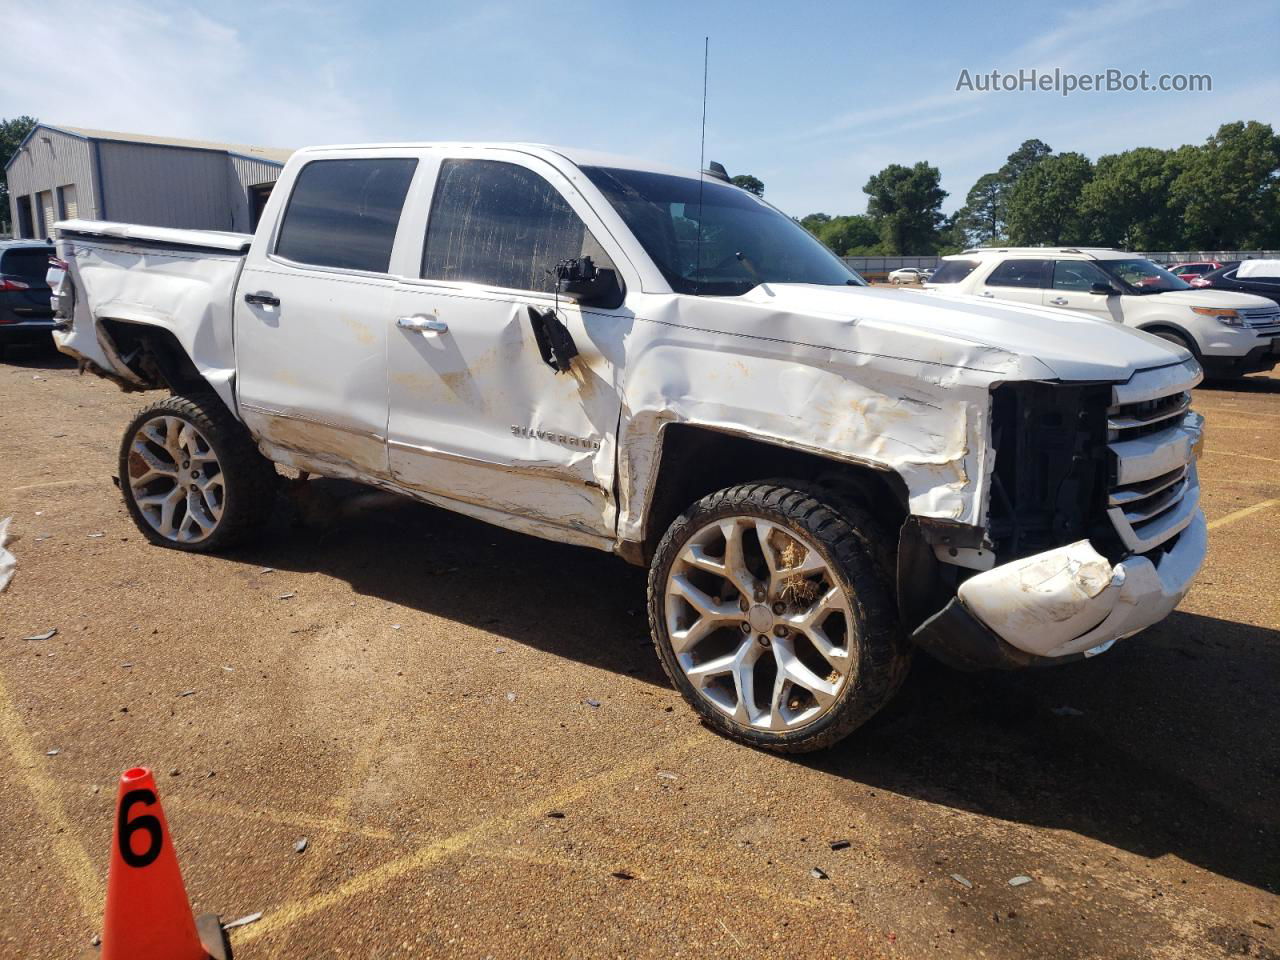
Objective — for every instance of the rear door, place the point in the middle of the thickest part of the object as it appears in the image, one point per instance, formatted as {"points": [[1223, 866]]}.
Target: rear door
{"points": [[1021, 280], [311, 318], [476, 416]]}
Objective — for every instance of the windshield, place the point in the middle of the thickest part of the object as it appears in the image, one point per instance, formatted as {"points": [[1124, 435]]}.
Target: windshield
{"points": [[1142, 276], [744, 241]]}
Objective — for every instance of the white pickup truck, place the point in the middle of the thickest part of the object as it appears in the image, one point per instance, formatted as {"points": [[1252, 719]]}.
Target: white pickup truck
{"points": [[820, 476]]}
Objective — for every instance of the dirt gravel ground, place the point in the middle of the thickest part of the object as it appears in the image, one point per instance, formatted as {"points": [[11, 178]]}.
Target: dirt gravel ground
{"points": [[414, 693]]}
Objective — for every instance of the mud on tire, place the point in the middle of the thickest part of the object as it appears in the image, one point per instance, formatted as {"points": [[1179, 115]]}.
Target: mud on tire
{"points": [[787, 519]]}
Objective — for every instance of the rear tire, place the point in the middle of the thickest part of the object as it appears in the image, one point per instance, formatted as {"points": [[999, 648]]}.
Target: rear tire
{"points": [[191, 476], [795, 642]]}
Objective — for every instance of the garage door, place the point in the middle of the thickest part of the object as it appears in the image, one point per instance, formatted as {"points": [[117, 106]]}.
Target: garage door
{"points": [[67, 198], [48, 215]]}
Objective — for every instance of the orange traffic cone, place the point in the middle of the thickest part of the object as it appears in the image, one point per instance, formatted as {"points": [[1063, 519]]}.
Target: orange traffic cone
{"points": [[148, 914]]}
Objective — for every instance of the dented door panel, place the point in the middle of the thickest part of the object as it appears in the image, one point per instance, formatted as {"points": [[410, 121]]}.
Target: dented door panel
{"points": [[476, 415]]}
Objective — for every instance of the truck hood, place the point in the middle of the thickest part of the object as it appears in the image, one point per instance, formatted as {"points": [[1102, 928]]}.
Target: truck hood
{"points": [[1073, 346]]}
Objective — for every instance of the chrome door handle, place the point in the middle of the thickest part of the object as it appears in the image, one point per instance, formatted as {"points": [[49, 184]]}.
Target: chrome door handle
{"points": [[987, 293], [1059, 301], [422, 325]]}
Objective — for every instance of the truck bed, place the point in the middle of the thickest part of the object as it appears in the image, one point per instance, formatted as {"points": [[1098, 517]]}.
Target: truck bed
{"points": [[182, 281]]}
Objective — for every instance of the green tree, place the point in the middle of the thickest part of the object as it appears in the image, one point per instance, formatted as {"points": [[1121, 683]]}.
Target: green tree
{"points": [[981, 219], [1128, 202], [1044, 204], [814, 221], [847, 234], [1028, 154], [984, 216], [749, 183], [953, 236], [1229, 190], [12, 133], [906, 204]]}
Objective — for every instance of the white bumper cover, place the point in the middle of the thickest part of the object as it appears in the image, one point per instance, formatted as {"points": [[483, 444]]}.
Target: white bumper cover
{"points": [[1072, 600]]}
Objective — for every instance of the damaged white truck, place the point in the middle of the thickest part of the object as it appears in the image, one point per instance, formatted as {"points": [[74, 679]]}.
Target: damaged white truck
{"points": [[820, 476]]}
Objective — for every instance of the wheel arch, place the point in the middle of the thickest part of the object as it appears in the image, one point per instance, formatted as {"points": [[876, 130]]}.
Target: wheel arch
{"points": [[1156, 327], [695, 460], [157, 359]]}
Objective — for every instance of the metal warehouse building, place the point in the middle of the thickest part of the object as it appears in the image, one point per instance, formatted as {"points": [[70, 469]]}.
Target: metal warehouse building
{"points": [[62, 172]]}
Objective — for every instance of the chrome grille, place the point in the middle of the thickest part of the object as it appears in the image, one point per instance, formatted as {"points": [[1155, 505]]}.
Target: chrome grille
{"points": [[1262, 319], [1153, 438]]}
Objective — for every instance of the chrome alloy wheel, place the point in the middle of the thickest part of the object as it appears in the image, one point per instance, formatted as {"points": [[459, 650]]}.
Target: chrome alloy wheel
{"points": [[759, 623], [176, 480]]}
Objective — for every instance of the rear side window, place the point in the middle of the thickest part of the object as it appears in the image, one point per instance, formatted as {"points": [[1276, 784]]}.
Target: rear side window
{"points": [[501, 224], [28, 265], [344, 213], [1017, 273], [953, 271]]}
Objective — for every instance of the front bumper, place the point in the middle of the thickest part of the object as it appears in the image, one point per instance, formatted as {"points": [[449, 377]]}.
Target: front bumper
{"points": [[1070, 600], [1265, 356]]}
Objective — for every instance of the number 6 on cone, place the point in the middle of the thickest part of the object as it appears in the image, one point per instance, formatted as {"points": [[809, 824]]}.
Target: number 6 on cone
{"points": [[148, 915]]}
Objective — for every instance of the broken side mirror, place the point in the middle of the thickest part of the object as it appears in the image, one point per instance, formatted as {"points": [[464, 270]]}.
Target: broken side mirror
{"points": [[581, 280]]}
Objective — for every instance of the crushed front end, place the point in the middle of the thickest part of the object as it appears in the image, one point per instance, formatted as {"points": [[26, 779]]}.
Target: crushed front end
{"points": [[1094, 527]]}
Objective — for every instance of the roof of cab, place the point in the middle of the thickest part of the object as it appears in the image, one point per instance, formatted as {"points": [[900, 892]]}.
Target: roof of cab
{"points": [[575, 155]]}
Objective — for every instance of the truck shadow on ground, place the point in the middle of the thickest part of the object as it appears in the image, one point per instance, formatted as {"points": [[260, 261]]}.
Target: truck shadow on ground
{"points": [[1168, 744], [1164, 746], [572, 602]]}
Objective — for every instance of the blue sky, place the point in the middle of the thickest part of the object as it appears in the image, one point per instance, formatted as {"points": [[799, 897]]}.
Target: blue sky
{"points": [[811, 98]]}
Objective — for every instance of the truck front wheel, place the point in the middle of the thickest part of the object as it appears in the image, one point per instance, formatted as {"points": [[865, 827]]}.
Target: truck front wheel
{"points": [[191, 476], [771, 617]]}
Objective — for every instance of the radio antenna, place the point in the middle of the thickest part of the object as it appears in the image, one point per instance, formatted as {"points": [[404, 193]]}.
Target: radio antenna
{"points": [[702, 157]]}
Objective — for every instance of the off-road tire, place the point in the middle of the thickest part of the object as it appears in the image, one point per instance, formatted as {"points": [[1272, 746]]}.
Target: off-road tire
{"points": [[843, 533], [250, 480]]}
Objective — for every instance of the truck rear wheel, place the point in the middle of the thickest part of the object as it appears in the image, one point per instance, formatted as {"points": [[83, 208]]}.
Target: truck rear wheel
{"points": [[772, 618], [191, 476]]}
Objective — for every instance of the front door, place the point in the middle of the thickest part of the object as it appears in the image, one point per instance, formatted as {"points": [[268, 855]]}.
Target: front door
{"points": [[476, 416], [1071, 289], [311, 335]]}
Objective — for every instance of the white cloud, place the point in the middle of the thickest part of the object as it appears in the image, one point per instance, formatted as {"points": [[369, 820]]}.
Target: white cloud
{"points": [[174, 72]]}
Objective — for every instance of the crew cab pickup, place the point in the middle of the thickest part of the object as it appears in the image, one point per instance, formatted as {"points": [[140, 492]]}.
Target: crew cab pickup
{"points": [[820, 476]]}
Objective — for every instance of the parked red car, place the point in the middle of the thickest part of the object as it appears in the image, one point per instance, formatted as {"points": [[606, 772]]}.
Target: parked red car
{"points": [[1191, 272]]}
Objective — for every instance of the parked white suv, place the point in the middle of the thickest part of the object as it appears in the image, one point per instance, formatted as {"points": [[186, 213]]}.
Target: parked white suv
{"points": [[1231, 334], [819, 475]]}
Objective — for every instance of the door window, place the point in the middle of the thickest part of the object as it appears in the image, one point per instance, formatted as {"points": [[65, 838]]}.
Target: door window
{"points": [[1077, 275], [502, 225], [1018, 273], [344, 213]]}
